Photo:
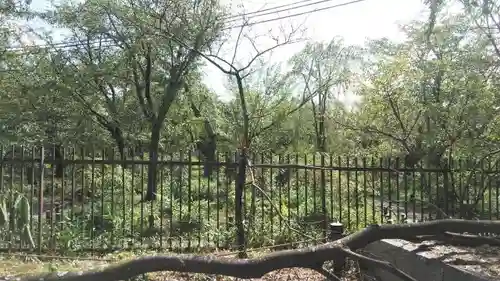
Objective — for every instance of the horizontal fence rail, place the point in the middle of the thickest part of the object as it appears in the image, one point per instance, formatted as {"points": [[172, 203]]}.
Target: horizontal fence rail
{"points": [[62, 199]]}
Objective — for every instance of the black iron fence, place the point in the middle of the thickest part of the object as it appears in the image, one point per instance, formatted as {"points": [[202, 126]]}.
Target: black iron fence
{"points": [[87, 200]]}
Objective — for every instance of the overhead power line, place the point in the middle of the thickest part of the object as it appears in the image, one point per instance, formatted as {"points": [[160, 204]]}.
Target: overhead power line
{"points": [[239, 16], [302, 13], [232, 18], [76, 43], [279, 11]]}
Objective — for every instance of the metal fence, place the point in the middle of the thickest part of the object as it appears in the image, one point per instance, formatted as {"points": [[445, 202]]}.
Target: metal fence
{"points": [[87, 200]]}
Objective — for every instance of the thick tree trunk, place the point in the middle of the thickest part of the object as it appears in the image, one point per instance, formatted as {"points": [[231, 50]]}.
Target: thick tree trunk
{"points": [[58, 156], [242, 165], [117, 135], [238, 203], [153, 161]]}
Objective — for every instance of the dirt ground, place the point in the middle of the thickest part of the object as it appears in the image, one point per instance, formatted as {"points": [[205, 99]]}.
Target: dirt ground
{"points": [[14, 266]]}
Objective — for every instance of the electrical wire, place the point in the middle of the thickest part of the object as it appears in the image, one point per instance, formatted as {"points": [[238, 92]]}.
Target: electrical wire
{"points": [[301, 14], [232, 18], [229, 19], [238, 17], [76, 43], [267, 9]]}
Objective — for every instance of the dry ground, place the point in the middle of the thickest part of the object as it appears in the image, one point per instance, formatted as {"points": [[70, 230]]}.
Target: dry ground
{"points": [[16, 265]]}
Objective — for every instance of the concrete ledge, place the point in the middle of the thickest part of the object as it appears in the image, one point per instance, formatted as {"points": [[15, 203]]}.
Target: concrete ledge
{"points": [[399, 253]]}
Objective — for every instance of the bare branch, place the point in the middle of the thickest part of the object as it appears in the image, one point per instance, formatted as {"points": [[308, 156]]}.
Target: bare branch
{"points": [[237, 43], [397, 114], [327, 274], [378, 263], [286, 42]]}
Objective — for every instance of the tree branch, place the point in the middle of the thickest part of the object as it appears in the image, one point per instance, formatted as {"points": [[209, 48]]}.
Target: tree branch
{"points": [[310, 257]]}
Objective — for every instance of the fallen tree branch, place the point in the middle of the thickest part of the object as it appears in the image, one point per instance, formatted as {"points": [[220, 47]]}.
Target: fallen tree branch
{"points": [[309, 257], [458, 239]]}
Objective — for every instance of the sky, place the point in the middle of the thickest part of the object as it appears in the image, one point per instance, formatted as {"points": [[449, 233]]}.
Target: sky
{"points": [[355, 23]]}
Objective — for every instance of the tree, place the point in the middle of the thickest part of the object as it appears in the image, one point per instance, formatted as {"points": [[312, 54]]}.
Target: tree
{"points": [[138, 42], [272, 100], [42, 111], [325, 70], [482, 14], [234, 71], [434, 99]]}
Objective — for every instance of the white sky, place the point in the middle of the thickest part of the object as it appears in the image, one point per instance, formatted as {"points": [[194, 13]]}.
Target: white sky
{"points": [[355, 23]]}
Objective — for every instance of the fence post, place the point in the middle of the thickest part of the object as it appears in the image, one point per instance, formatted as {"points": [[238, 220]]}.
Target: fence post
{"points": [[40, 198], [323, 197], [336, 231]]}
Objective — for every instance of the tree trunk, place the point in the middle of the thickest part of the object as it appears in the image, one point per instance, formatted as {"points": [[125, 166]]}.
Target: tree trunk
{"points": [[153, 161], [238, 203], [242, 165], [117, 135], [120, 142], [59, 157]]}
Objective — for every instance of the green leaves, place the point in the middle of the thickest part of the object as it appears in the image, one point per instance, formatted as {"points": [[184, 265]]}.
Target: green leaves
{"points": [[17, 217], [130, 61], [431, 95]]}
